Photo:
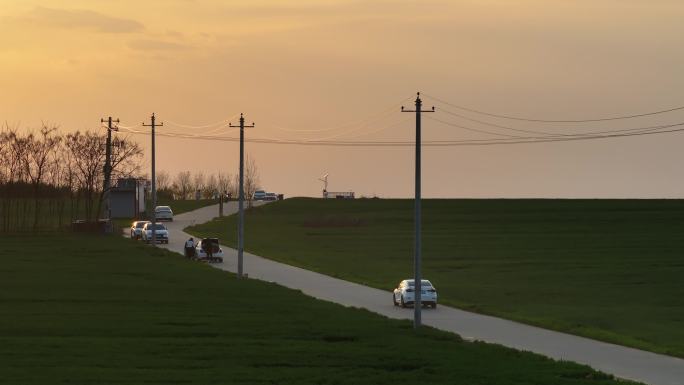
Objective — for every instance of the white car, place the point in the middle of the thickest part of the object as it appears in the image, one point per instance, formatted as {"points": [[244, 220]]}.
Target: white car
{"points": [[160, 231], [209, 244], [404, 294], [259, 195], [136, 229], [163, 213]]}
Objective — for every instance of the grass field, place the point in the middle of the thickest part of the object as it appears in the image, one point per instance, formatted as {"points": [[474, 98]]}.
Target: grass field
{"points": [[96, 310], [607, 269], [57, 214], [18, 214]]}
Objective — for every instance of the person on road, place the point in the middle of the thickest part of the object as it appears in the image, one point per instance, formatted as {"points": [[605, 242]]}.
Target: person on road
{"points": [[208, 249], [190, 248]]}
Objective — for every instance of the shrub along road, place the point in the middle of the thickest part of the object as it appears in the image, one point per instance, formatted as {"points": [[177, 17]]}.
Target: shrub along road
{"points": [[279, 233]]}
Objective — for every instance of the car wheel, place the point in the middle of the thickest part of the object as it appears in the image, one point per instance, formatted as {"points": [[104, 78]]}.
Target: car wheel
{"points": [[434, 305], [403, 304]]}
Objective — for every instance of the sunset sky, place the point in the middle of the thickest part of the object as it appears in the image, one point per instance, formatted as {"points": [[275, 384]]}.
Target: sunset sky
{"points": [[342, 69]]}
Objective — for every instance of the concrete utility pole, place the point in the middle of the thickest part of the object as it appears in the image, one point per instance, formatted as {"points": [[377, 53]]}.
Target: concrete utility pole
{"points": [[108, 171], [241, 193], [417, 248], [153, 124]]}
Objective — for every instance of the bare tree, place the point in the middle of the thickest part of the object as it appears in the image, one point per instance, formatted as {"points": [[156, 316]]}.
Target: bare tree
{"points": [[60, 179], [4, 143], [36, 161], [210, 187], [183, 184], [13, 152], [164, 184], [163, 180], [88, 152], [223, 183], [126, 157], [198, 182], [235, 186], [251, 178], [44, 174]]}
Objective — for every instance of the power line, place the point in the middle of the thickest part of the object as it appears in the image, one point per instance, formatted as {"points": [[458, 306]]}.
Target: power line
{"points": [[604, 119], [221, 122], [546, 134], [474, 129], [429, 143], [382, 128], [386, 112]]}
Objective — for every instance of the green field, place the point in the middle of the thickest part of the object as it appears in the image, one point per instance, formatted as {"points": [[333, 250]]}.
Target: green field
{"points": [[607, 269], [18, 214], [107, 310]]}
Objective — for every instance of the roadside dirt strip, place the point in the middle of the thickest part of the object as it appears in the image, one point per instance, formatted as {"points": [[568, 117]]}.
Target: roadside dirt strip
{"points": [[618, 360]]}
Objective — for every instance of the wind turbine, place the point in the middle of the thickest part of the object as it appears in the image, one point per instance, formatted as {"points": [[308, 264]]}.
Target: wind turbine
{"points": [[324, 179]]}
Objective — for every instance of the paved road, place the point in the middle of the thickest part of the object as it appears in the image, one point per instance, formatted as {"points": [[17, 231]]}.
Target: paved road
{"points": [[623, 362]]}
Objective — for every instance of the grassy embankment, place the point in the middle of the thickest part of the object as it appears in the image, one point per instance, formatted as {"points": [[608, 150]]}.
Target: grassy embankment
{"points": [[19, 214], [606, 269], [57, 214], [183, 206], [93, 309], [178, 207]]}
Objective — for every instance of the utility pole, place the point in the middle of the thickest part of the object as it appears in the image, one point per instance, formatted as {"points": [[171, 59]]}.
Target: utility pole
{"points": [[417, 279], [153, 124], [241, 193], [108, 171]]}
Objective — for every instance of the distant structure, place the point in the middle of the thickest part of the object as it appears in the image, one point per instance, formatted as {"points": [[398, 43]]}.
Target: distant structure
{"points": [[334, 195], [128, 198], [324, 179]]}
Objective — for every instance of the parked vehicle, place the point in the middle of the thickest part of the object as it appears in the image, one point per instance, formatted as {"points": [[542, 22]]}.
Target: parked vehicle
{"points": [[136, 229], [271, 197], [160, 230], [208, 249], [259, 195], [163, 213], [404, 294]]}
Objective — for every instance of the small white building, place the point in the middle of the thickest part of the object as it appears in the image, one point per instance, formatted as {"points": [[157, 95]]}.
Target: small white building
{"points": [[338, 195], [128, 198]]}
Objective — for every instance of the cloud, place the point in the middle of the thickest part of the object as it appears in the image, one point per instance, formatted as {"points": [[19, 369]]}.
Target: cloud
{"points": [[75, 18], [155, 45]]}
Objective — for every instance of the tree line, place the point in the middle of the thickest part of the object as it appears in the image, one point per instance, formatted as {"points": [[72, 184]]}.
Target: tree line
{"points": [[49, 178], [187, 185]]}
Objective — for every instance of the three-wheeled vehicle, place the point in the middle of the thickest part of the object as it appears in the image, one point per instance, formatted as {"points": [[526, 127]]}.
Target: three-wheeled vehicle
{"points": [[208, 250]]}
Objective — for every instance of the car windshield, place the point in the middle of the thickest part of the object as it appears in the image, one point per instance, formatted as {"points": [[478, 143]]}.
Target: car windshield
{"points": [[140, 224], [157, 227], [423, 283], [163, 209]]}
